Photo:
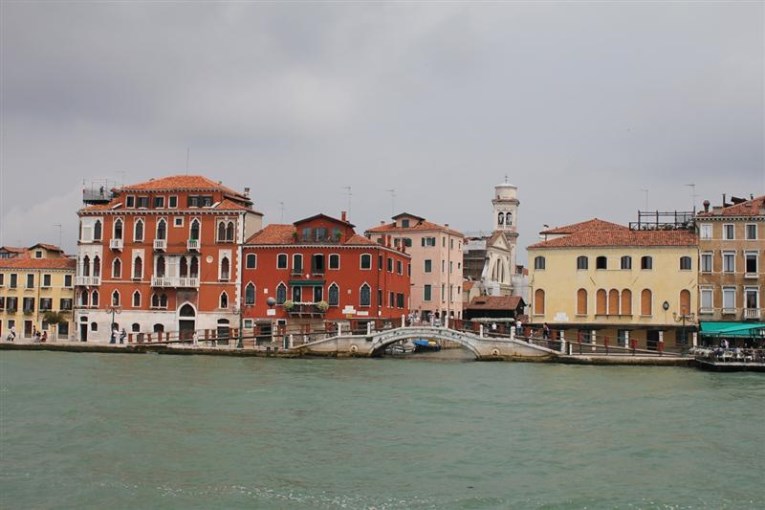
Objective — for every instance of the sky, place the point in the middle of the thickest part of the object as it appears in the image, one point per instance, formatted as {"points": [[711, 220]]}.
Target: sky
{"points": [[593, 109]]}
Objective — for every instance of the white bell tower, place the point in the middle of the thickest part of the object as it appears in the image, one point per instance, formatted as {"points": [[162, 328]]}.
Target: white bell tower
{"points": [[506, 204]]}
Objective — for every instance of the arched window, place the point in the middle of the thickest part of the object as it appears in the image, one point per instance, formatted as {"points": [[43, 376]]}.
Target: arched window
{"points": [[249, 294], [626, 308], [194, 273], [539, 301], [365, 295], [96, 266], [600, 302], [626, 262], [646, 305], [646, 262], [116, 298], [159, 328], [509, 219], [135, 328], [581, 302], [281, 294], [685, 263], [539, 263], [221, 231], [501, 218], [184, 269], [230, 231], [97, 230], [333, 295], [601, 262], [251, 261], [84, 298], [163, 300], [161, 266], [138, 231], [94, 326], [194, 230], [224, 269], [161, 229], [613, 302], [685, 302], [154, 301], [136, 299], [582, 262], [117, 268], [118, 229], [224, 300], [94, 298], [137, 268], [86, 266]]}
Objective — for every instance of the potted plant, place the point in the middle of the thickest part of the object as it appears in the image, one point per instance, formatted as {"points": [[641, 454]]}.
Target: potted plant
{"points": [[322, 306], [289, 305]]}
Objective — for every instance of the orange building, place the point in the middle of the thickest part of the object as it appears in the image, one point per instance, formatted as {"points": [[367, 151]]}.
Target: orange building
{"points": [[318, 269], [161, 255]]}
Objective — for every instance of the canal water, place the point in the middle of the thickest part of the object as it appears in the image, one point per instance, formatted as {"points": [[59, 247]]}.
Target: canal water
{"points": [[152, 431]]}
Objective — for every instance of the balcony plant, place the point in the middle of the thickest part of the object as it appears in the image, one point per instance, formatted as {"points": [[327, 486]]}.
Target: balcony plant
{"points": [[289, 305], [322, 306]]}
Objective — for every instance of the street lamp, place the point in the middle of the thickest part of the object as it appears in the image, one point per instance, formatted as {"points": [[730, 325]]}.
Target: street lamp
{"points": [[114, 309], [683, 317]]}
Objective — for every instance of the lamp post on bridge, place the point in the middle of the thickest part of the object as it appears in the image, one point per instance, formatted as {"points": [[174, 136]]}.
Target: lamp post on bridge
{"points": [[114, 309]]}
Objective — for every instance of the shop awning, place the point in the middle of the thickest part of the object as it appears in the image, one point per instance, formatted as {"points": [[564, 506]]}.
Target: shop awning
{"points": [[737, 329]]}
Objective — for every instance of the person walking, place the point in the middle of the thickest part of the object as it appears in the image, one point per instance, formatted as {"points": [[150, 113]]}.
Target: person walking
{"points": [[44, 337], [546, 331], [12, 334], [123, 335]]}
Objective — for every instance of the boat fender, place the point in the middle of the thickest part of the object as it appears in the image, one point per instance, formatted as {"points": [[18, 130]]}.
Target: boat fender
{"points": [[354, 348]]}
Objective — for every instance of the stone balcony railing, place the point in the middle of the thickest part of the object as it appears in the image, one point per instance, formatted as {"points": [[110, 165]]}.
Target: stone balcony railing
{"points": [[87, 281], [160, 244], [116, 244], [176, 281]]}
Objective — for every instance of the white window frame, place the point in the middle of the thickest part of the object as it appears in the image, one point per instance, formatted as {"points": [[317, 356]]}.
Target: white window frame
{"points": [[732, 228], [728, 255], [709, 292], [756, 255], [729, 305], [705, 231], [178, 221], [707, 256], [746, 231]]}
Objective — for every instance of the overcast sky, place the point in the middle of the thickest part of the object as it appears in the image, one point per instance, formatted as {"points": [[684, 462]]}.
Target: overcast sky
{"points": [[584, 106]]}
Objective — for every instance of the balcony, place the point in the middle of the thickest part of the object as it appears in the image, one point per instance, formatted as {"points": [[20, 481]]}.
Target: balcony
{"points": [[752, 313], [305, 310], [175, 282], [192, 244], [87, 281], [116, 244], [160, 244]]}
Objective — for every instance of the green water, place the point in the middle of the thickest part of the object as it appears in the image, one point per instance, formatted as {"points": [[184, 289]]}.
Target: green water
{"points": [[150, 431]]}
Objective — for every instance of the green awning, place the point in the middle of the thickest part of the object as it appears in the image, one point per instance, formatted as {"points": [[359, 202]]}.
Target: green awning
{"points": [[739, 329], [306, 283]]}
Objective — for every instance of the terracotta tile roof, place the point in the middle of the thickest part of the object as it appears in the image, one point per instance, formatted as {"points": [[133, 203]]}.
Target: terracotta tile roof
{"points": [[421, 226], [33, 263], [285, 234], [49, 247], [753, 207], [598, 233], [13, 249], [495, 303], [227, 205], [175, 182], [359, 239], [593, 224]]}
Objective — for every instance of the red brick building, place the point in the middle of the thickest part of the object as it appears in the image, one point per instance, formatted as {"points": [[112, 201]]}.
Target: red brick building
{"points": [[161, 255], [318, 269]]}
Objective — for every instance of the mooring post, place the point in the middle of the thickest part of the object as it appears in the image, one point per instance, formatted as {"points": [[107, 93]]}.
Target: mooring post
{"points": [[480, 331], [403, 320], [339, 329]]}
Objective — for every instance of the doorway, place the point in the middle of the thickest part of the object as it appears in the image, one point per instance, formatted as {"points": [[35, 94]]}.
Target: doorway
{"points": [[186, 322], [652, 340]]}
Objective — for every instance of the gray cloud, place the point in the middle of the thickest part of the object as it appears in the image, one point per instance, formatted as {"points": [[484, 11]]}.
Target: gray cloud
{"points": [[582, 105]]}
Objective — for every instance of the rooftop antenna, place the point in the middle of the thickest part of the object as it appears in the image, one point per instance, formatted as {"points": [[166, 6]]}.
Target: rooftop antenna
{"points": [[348, 190], [693, 195], [392, 192]]}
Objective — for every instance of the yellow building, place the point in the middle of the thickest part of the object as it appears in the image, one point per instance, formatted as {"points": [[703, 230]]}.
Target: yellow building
{"points": [[37, 293], [601, 282]]}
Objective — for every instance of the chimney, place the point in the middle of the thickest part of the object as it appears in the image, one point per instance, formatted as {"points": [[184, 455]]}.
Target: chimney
{"points": [[706, 206], [247, 192], [344, 216]]}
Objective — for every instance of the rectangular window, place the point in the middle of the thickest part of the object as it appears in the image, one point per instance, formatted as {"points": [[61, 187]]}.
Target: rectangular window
{"points": [[2, 303], [68, 281], [751, 263], [13, 284], [281, 261], [65, 304], [159, 202], [399, 267], [46, 280], [751, 232], [705, 231], [443, 266], [11, 304], [30, 281], [46, 304], [130, 201], [172, 202], [399, 300], [334, 261], [29, 305], [178, 221], [706, 300], [729, 262], [706, 262], [428, 265], [729, 232], [2, 280], [443, 293], [391, 299], [390, 265], [427, 293], [428, 241], [143, 202], [63, 329], [729, 299], [192, 201]]}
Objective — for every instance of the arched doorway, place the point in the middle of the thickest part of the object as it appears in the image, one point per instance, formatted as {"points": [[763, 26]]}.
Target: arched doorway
{"points": [[224, 331], [186, 322]]}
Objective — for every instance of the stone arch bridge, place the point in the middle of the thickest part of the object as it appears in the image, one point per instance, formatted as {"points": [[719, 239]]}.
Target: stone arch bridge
{"points": [[373, 343]]}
